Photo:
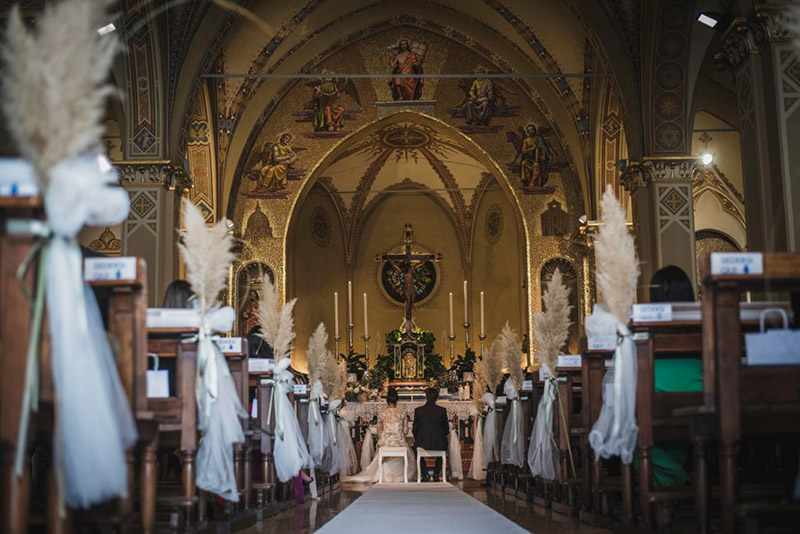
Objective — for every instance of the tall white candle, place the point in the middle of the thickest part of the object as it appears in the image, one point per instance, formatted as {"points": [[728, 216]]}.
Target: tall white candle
{"points": [[349, 302], [366, 324], [483, 331], [336, 314], [466, 304], [451, 314]]}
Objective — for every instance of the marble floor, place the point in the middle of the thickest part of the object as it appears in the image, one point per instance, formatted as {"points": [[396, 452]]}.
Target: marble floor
{"points": [[312, 515]]}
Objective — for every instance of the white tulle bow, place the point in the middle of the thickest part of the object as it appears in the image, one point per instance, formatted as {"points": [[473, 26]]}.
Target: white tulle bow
{"points": [[512, 450], [615, 431], [543, 452], [94, 425], [490, 452], [290, 450]]}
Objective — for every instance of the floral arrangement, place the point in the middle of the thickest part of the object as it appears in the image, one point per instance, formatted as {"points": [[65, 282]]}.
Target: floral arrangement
{"points": [[464, 364], [359, 392], [449, 380]]}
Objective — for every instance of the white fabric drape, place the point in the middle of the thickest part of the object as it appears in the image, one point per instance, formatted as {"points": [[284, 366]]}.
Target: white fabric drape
{"points": [[367, 448], [543, 453], [316, 427], [454, 452], [290, 451], [94, 425], [512, 448], [219, 410], [490, 452], [477, 467], [348, 461], [614, 433], [331, 458]]}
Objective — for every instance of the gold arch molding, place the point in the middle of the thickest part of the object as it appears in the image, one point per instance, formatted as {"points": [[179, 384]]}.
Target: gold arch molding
{"points": [[522, 215]]}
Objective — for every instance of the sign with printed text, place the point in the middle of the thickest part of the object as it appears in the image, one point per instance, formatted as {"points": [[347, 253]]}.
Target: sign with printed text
{"points": [[650, 313], [501, 400], [602, 343], [260, 365], [301, 389], [569, 360], [230, 345], [737, 263], [102, 269], [527, 385]]}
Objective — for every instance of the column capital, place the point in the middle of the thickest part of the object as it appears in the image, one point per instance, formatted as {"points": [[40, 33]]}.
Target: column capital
{"points": [[157, 172], [641, 174], [749, 35]]}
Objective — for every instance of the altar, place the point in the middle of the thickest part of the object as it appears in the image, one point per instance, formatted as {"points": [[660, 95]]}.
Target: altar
{"points": [[366, 411]]}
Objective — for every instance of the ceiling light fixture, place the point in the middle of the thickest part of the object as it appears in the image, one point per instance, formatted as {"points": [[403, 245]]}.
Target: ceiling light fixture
{"points": [[108, 28], [707, 158], [715, 20]]}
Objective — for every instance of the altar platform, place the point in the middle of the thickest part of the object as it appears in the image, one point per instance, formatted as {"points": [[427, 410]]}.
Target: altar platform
{"points": [[462, 410]]}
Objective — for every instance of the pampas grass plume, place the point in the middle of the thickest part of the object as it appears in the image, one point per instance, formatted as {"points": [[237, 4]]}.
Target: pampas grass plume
{"points": [[317, 353], [511, 354], [493, 365], [208, 255], [551, 327], [55, 82], [617, 266]]}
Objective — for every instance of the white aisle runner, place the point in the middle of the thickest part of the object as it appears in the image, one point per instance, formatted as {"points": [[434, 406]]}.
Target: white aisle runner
{"points": [[403, 508]]}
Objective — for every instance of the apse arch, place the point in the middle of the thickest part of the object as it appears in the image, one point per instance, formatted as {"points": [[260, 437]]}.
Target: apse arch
{"points": [[372, 198]]}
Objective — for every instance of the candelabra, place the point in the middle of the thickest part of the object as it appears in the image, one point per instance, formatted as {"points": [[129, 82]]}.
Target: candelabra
{"points": [[452, 338], [350, 339], [466, 334], [482, 337], [337, 339], [366, 347]]}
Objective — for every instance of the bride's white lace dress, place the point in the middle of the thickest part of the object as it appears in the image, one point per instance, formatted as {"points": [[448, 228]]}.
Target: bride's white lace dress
{"points": [[392, 428]]}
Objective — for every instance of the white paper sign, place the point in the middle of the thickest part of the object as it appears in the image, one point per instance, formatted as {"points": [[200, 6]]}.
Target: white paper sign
{"points": [[569, 360], [99, 269], [260, 365], [737, 263], [18, 189], [608, 364], [254, 408], [230, 345], [157, 384], [501, 400], [646, 313], [527, 385], [301, 389], [544, 374], [602, 343]]}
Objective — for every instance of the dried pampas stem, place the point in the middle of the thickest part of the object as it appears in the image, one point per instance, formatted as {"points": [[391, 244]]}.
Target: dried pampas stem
{"points": [[207, 253], [617, 266], [277, 323], [512, 354], [493, 365], [317, 353], [54, 83], [551, 327]]}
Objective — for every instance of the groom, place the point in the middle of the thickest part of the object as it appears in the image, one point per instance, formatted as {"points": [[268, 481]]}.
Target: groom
{"points": [[430, 431]]}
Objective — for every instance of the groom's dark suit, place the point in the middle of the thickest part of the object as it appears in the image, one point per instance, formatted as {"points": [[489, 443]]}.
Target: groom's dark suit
{"points": [[430, 432]]}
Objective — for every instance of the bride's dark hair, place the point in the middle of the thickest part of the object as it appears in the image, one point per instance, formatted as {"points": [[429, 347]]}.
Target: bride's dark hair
{"points": [[391, 396]]}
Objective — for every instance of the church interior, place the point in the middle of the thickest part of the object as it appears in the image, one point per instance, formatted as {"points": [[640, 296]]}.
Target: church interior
{"points": [[248, 248]]}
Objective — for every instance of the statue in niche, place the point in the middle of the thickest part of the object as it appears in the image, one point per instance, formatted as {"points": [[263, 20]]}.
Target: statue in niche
{"points": [[276, 161], [407, 60], [480, 99], [534, 154]]}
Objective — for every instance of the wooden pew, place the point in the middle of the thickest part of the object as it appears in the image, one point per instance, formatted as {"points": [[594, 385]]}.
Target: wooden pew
{"points": [[178, 414], [567, 429], [266, 488], [741, 399]]}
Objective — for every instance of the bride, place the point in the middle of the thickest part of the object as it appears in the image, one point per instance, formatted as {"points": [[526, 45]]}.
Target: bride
{"points": [[391, 433]]}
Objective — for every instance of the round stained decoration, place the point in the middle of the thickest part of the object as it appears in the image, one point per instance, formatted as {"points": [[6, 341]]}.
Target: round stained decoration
{"points": [[392, 283], [320, 227], [493, 224]]}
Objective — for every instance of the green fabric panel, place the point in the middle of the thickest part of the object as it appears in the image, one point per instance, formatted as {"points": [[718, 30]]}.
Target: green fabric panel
{"points": [[678, 375]]}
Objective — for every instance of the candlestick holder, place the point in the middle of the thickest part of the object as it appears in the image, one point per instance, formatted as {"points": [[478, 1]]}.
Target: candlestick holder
{"points": [[482, 337], [466, 333], [366, 348], [337, 339], [350, 338], [452, 338]]}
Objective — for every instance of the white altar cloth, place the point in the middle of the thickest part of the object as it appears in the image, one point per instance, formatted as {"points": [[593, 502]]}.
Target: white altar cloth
{"points": [[367, 410]]}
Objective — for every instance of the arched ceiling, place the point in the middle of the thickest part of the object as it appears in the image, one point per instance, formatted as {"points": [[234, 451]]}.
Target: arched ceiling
{"points": [[552, 36]]}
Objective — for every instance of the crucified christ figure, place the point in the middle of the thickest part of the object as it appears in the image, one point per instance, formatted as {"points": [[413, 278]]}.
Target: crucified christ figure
{"points": [[406, 263]]}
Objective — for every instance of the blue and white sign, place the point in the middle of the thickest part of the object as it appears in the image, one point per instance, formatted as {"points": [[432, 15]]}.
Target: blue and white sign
{"points": [[737, 263], [651, 313], [567, 361], [103, 269], [301, 389], [602, 343], [230, 345]]}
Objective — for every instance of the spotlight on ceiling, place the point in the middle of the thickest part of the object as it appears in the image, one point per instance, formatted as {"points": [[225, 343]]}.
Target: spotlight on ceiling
{"points": [[583, 219], [108, 28], [707, 158], [715, 19]]}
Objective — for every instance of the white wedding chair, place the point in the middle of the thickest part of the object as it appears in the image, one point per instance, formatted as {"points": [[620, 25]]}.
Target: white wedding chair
{"points": [[392, 452], [422, 453]]}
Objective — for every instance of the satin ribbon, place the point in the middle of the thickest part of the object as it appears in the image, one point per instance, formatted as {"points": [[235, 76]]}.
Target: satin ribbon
{"points": [[623, 338]]}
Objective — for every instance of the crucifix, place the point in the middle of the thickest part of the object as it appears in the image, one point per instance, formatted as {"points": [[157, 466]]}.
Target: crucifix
{"points": [[405, 264]]}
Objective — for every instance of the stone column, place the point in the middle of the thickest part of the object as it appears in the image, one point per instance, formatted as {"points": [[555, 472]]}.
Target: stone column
{"points": [[663, 215], [766, 68]]}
